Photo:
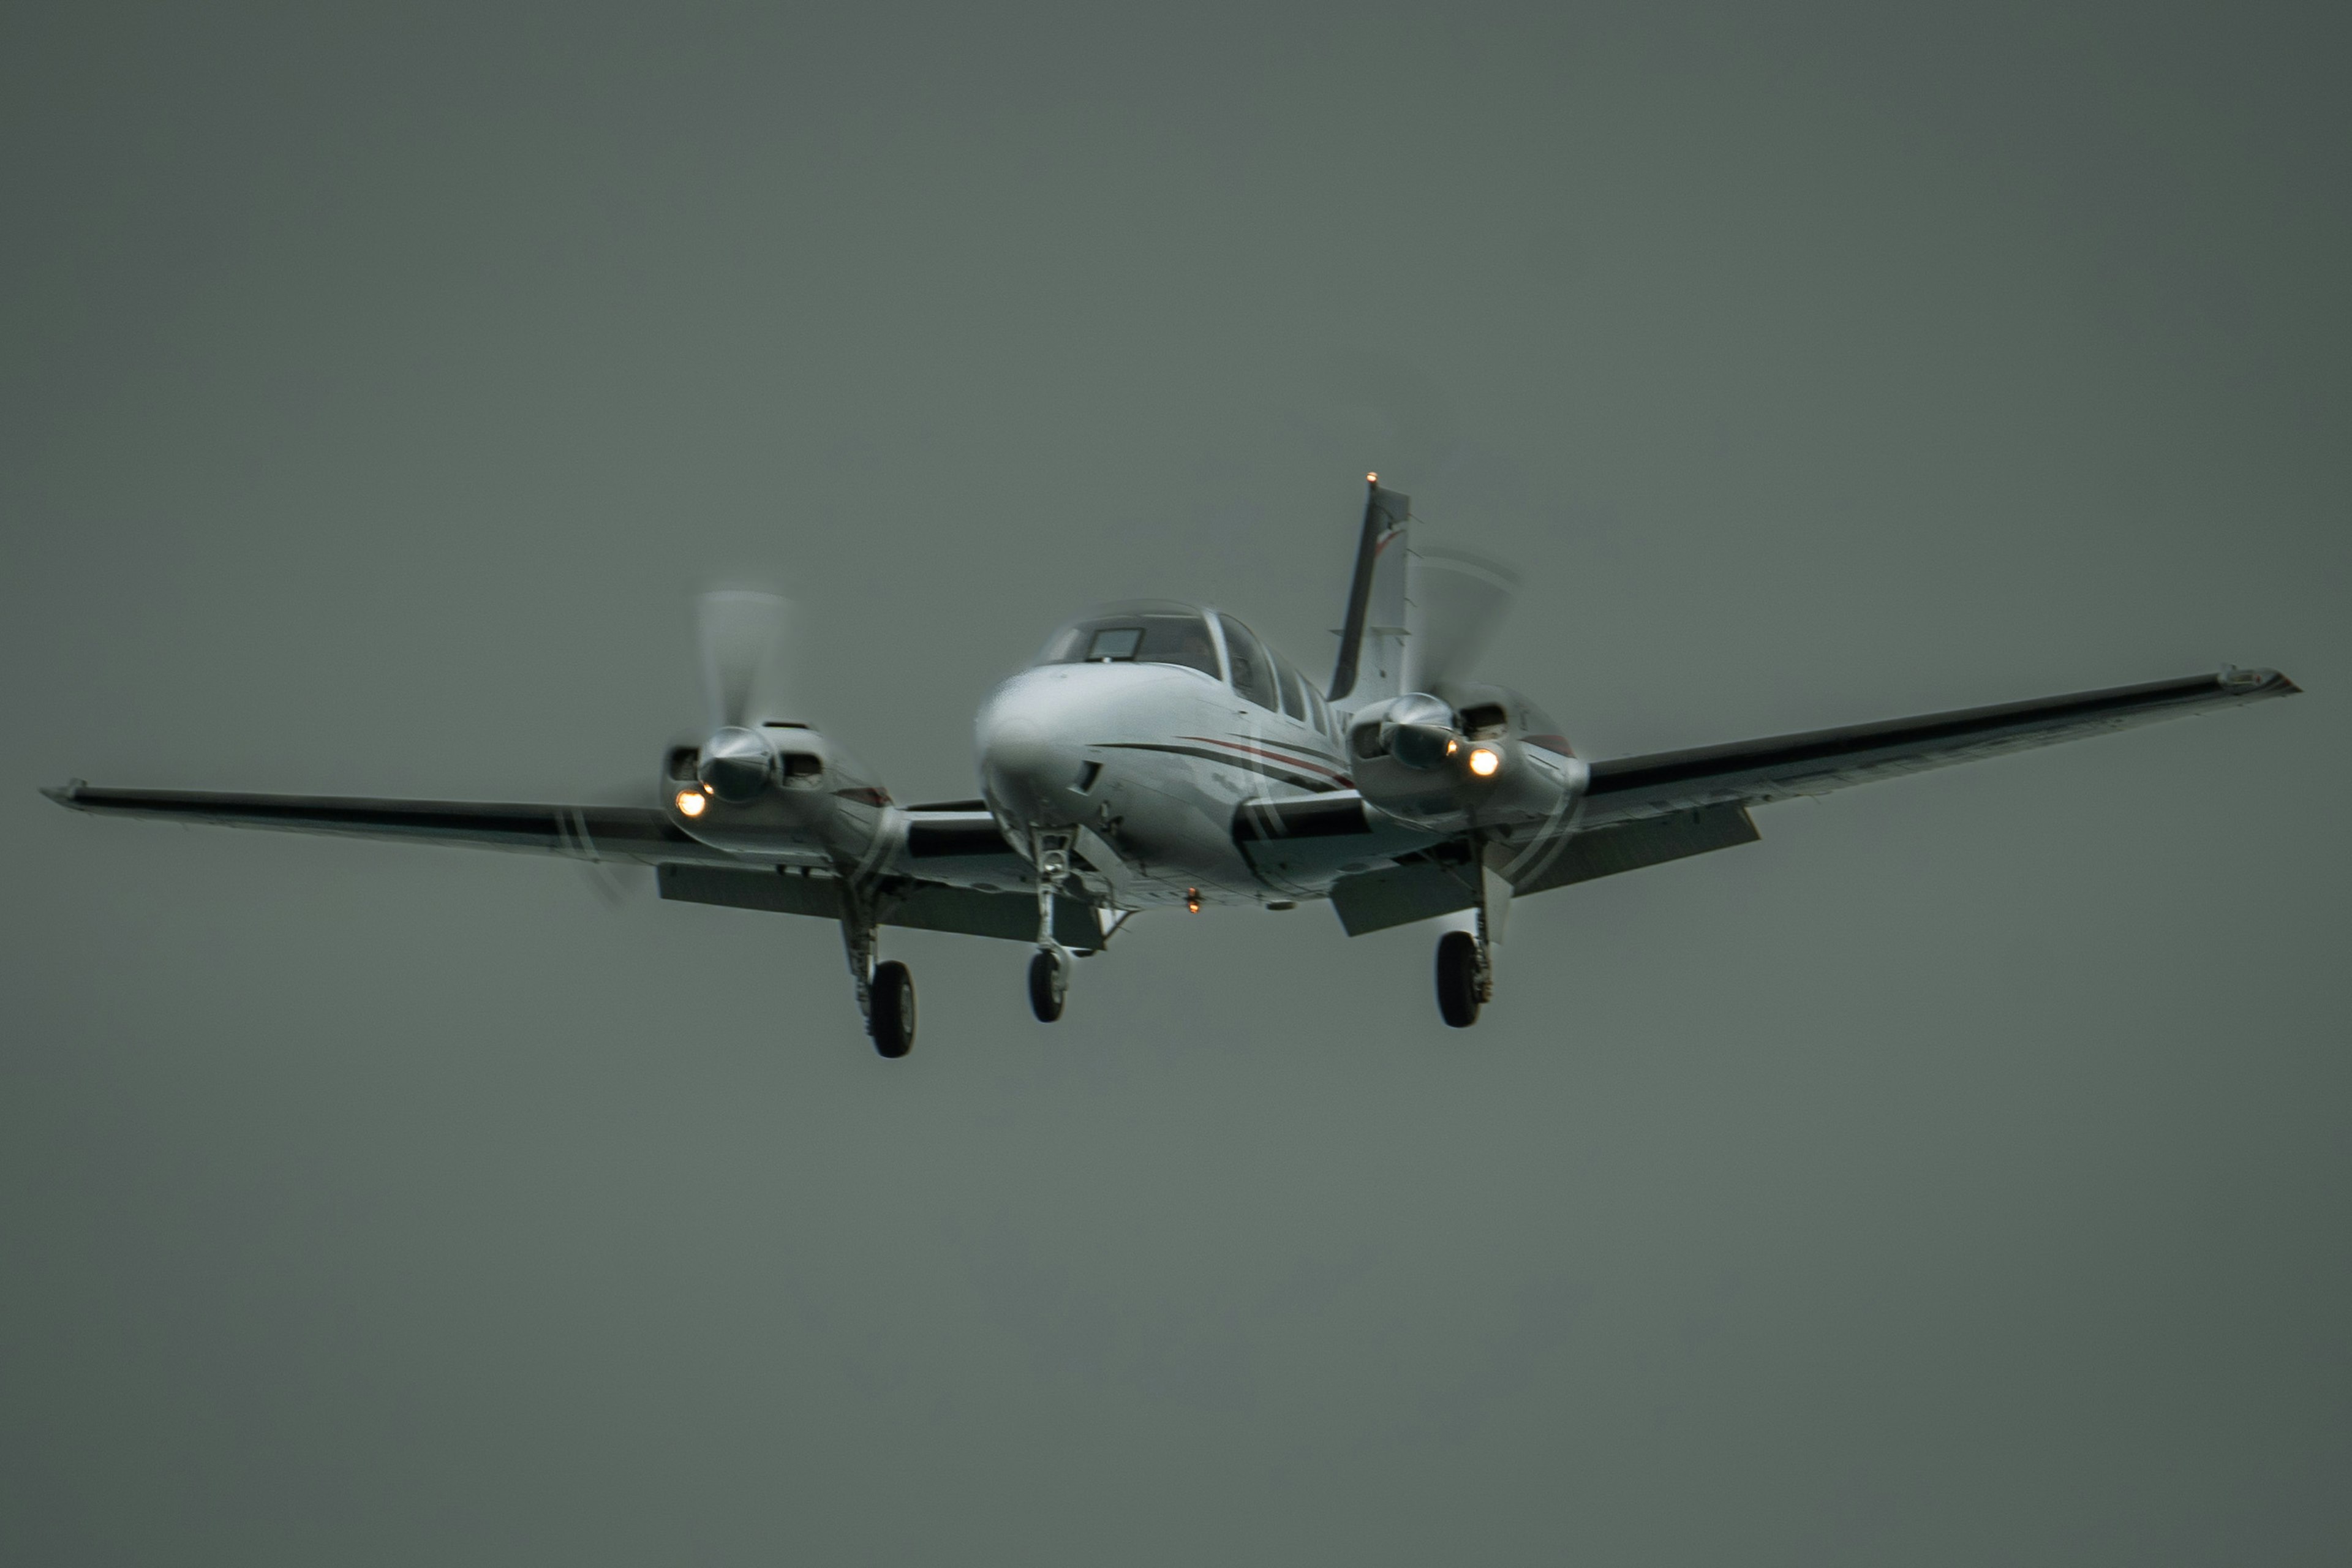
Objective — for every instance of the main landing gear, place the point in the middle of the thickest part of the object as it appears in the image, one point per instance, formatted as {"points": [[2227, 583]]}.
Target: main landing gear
{"points": [[891, 1017], [1466, 960], [886, 991], [1464, 979]]}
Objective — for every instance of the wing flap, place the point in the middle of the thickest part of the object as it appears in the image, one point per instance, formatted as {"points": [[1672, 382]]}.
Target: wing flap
{"points": [[1431, 883], [1645, 841], [924, 906]]}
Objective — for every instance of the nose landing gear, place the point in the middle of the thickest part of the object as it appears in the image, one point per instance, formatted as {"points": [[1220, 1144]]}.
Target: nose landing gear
{"points": [[1049, 983], [1049, 968]]}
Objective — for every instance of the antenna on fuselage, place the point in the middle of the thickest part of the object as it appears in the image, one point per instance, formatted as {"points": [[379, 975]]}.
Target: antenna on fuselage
{"points": [[1385, 512]]}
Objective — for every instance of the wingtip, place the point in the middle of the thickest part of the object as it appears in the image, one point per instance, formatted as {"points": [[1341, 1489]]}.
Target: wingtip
{"points": [[2257, 682], [68, 793]]}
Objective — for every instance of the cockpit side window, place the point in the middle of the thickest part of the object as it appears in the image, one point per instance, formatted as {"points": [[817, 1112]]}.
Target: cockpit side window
{"points": [[1151, 637], [1252, 670]]}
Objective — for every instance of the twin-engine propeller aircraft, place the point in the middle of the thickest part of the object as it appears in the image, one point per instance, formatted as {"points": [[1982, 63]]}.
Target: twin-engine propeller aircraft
{"points": [[1158, 756]]}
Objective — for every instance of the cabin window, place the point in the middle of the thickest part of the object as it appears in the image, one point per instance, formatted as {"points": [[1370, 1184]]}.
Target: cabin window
{"points": [[1252, 670], [1293, 702]]}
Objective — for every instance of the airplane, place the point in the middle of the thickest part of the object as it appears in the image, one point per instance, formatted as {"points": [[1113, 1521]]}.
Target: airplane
{"points": [[1160, 755]]}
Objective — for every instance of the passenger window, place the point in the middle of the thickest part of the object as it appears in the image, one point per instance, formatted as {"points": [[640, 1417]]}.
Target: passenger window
{"points": [[1322, 710], [1253, 671], [1293, 703]]}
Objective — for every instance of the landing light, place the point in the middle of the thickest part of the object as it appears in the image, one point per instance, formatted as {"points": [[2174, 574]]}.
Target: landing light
{"points": [[1192, 901], [1484, 762], [690, 802]]}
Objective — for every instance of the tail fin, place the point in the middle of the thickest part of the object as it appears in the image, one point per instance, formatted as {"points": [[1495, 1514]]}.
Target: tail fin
{"points": [[1372, 639]]}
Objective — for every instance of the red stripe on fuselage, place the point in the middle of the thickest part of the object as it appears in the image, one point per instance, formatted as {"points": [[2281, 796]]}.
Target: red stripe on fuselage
{"points": [[1312, 765]]}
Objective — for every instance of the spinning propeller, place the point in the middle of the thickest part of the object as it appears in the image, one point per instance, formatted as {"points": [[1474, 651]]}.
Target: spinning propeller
{"points": [[743, 635], [1458, 602]]}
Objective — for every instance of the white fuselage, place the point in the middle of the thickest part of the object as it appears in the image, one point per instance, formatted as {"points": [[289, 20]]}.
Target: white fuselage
{"points": [[1147, 763]]}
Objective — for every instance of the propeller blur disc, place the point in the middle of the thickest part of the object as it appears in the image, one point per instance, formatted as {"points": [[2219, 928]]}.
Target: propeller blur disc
{"points": [[1459, 602], [742, 636]]}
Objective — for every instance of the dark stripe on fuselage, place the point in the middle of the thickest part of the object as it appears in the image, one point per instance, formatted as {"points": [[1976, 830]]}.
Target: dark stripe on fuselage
{"points": [[1247, 764], [1292, 756]]}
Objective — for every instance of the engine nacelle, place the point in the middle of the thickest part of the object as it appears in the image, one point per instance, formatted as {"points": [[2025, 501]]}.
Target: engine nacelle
{"points": [[779, 793], [1488, 759]]}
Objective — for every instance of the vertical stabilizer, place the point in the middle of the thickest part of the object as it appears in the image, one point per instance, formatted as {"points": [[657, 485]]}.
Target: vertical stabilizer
{"points": [[1372, 639]]}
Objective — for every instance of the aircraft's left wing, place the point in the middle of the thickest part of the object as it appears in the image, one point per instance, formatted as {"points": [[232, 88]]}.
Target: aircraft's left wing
{"points": [[1754, 772], [580, 832]]}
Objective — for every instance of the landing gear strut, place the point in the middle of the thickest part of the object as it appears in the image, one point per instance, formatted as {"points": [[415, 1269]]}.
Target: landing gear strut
{"points": [[886, 991], [1049, 970]]}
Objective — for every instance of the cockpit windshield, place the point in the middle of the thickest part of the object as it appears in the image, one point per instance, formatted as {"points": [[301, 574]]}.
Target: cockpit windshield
{"points": [[1149, 633]]}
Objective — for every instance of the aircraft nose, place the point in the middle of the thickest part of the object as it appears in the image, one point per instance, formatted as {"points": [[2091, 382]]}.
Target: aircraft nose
{"points": [[1030, 769]]}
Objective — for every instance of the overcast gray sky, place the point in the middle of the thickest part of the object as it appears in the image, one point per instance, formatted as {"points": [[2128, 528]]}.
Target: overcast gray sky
{"points": [[1959, 1176]]}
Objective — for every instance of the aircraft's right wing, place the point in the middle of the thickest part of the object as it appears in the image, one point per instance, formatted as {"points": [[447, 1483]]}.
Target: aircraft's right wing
{"points": [[581, 832], [1755, 773]]}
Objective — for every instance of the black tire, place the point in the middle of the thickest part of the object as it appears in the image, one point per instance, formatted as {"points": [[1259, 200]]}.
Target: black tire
{"points": [[1457, 979], [1048, 987], [892, 1020]]}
